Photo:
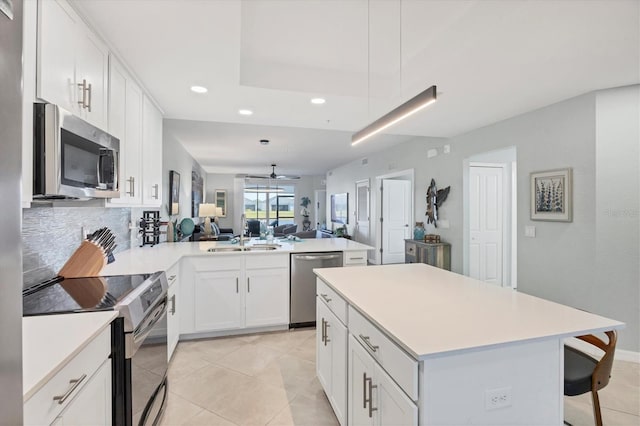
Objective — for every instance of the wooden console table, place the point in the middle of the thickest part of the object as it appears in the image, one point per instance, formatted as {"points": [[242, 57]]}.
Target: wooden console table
{"points": [[435, 254]]}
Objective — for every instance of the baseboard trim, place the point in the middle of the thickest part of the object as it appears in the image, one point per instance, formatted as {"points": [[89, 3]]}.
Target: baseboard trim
{"points": [[621, 354]]}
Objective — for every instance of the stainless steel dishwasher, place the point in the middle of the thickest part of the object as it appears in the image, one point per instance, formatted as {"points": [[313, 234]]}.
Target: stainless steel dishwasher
{"points": [[303, 285]]}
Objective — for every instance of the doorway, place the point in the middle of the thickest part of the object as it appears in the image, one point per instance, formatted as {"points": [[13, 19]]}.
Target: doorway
{"points": [[395, 215], [321, 208], [362, 228], [490, 212]]}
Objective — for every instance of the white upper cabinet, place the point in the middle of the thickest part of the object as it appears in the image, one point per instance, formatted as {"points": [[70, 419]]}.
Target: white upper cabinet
{"points": [[151, 154], [72, 63], [125, 123]]}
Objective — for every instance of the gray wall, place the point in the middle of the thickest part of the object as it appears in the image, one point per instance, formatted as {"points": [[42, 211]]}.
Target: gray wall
{"points": [[51, 234], [564, 262], [214, 181]]}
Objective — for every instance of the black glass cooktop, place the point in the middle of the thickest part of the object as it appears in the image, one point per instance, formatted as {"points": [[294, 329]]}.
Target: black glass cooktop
{"points": [[61, 295]]}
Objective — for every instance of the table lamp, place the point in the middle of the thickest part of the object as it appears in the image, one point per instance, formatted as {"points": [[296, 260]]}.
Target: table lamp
{"points": [[206, 211]]}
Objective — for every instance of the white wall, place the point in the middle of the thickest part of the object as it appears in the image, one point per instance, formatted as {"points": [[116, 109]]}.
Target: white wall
{"points": [[216, 181], [562, 262], [175, 157]]}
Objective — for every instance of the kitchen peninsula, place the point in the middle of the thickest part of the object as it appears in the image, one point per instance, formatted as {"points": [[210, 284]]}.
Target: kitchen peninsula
{"points": [[421, 345]]}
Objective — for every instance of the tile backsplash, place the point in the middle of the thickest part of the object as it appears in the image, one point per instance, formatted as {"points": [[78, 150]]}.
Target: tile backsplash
{"points": [[51, 234]]}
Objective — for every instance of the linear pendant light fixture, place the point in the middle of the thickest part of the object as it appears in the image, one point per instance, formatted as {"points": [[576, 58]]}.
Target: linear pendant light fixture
{"points": [[413, 105]]}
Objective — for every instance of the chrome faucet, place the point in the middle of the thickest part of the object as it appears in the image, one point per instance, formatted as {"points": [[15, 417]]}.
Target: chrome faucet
{"points": [[243, 220]]}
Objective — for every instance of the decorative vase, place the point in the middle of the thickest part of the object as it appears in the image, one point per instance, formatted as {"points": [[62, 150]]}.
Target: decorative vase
{"points": [[418, 231], [170, 232]]}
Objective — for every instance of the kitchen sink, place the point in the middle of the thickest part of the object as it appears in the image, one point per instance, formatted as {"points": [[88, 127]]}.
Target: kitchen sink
{"points": [[261, 247]]}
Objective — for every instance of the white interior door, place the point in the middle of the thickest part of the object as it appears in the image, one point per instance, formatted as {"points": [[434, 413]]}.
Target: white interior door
{"points": [[361, 231], [485, 220], [396, 216]]}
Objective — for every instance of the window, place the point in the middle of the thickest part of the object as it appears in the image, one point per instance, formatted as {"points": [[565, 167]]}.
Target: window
{"points": [[271, 205]]}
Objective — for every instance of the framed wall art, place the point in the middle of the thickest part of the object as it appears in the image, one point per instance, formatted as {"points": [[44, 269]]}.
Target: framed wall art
{"points": [[174, 192], [220, 196], [551, 195]]}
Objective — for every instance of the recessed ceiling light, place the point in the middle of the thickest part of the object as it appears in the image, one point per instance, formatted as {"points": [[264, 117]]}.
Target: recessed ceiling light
{"points": [[198, 89], [318, 101], [245, 112]]}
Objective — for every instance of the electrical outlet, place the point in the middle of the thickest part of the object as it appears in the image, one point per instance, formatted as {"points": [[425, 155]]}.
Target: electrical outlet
{"points": [[497, 398]]}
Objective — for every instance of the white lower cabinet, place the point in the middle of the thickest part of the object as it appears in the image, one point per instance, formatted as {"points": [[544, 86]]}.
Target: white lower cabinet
{"points": [[234, 292], [78, 394], [217, 301], [374, 398], [331, 358], [92, 406], [267, 297], [173, 314]]}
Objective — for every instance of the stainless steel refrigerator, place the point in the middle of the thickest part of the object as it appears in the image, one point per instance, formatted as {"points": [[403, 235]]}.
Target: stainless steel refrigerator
{"points": [[11, 212]]}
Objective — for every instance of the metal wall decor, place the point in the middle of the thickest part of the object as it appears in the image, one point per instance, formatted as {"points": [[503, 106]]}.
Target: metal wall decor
{"points": [[435, 198]]}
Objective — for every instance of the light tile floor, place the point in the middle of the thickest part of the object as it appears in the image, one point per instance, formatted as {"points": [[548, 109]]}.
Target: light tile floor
{"points": [[269, 379]]}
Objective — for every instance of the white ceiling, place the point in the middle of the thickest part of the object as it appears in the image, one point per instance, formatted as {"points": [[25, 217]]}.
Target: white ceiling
{"points": [[489, 59]]}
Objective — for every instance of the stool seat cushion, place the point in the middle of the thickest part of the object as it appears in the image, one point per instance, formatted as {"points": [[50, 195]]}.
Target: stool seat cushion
{"points": [[578, 369]]}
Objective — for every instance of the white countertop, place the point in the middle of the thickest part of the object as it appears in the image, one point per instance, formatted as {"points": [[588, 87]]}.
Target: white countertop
{"points": [[429, 311], [49, 342], [145, 260]]}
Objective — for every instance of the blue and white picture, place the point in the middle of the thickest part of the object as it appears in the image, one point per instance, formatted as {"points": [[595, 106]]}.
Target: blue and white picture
{"points": [[551, 195]]}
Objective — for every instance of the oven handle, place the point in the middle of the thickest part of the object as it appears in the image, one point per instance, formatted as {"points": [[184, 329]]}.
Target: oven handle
{"points": [[147, 409], [157, 313]]}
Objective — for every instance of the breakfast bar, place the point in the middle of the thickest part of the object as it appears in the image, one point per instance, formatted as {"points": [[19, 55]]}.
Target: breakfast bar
{"points": [[426, 346]]}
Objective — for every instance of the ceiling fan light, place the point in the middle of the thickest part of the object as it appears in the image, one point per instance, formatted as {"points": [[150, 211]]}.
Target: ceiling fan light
{"points": [[318, 101], [410, 107], [199, 89], [245, 112]]}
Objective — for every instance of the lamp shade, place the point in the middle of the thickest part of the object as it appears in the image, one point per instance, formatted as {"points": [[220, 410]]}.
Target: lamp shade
{"points": [[207, 210]]}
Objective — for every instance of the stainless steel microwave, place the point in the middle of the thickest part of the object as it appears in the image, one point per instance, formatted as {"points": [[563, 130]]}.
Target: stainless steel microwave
{"points": [[72, 158]]}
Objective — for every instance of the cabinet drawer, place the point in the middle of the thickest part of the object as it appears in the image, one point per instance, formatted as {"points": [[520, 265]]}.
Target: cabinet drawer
{"points": [[41, 408], [173, 274], [336, 303], [352, 258], [400, 366], [217, 262], [263, 260]]}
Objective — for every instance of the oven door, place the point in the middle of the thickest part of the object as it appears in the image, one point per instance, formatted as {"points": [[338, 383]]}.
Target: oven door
{"points": [[149, 368]]}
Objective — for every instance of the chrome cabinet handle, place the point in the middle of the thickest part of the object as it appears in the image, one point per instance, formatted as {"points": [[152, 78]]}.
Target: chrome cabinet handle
{"points": [[74, 384], [371, 388], [237, 288], [356, 258], [132, 186], [172, 277], [83, 89], [326, 333], [89, 97], [364, 390], [326, 299], [248, 285], [366, 341], [155, 187], [323, 331]]}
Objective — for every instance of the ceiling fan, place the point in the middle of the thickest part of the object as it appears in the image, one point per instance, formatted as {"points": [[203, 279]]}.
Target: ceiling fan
{"points": [[273, 175]]}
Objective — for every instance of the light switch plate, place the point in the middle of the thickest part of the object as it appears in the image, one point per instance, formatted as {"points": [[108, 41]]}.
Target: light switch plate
{"points": [[432, 153], [530, 231], [446, 149]]}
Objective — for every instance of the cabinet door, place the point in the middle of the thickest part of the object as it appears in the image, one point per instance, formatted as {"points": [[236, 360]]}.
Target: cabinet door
{"points": [[323, 349], [361, 369], [393, 406], [92, 405], [152, 154], [217, 301], [130, 156], [173, 319], [92, 58], [56, 54], [267, 299], [337, 335]]}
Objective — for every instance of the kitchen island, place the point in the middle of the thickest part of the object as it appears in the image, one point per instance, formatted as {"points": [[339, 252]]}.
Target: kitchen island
{"points": [[427, 346]]}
